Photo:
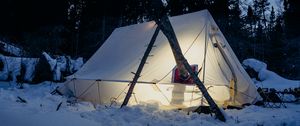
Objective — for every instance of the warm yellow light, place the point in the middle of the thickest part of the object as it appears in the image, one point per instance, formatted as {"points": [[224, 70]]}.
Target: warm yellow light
{"points": [[150, 25]]}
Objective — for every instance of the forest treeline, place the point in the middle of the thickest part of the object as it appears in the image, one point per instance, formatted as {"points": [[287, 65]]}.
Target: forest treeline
{"points": [[79, 27]]}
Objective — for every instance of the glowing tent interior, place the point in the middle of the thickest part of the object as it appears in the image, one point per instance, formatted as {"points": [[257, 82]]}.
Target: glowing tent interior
{"points": [[106, 76]]}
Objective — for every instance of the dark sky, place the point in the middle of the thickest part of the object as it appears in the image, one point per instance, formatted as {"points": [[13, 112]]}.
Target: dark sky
{"points": [[28, 15]]}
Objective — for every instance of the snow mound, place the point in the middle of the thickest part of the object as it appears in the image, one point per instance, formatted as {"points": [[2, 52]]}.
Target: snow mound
{"points": [[269, 79], [255, 64]]}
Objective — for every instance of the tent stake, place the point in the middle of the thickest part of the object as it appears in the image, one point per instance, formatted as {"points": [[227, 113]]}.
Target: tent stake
{"points": [[166, 27], [140, 68]]}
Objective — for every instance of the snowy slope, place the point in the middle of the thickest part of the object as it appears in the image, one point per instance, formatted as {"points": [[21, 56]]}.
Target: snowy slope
{"points": [[40, 110]]}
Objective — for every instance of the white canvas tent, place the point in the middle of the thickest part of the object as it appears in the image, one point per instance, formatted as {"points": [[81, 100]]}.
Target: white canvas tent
{"points": [[106, 76]]}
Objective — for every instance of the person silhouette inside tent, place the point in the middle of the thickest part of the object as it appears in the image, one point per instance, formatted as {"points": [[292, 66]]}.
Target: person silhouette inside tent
{"points": [[181, 78]]}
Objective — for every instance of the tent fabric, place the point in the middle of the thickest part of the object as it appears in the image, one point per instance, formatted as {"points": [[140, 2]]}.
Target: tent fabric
{"points": [[105, 77]]}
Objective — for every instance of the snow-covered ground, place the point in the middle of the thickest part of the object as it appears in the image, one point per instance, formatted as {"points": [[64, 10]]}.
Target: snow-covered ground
{"points": [[40, 110]]}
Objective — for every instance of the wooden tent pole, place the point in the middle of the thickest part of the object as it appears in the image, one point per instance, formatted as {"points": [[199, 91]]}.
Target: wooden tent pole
{"points": [[140, 68], [166, 27]]}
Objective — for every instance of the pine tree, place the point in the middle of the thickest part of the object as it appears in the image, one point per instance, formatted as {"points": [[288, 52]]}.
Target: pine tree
{"points": [[234, 16], [250, 22], [136, 11], [272, 20], [261, 37], [74, 15], [277, 48], [256, 12], [285, 4], [260, 8], [264, 6], [270, 42], [259, 41], [195, 5], [291, 12], [219, 9], [176, 7], [256, 16], [250, 14], [250, 31]]}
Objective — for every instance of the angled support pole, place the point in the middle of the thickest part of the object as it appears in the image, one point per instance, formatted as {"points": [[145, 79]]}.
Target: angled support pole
{"points": [[166, 27], [140, 68]]}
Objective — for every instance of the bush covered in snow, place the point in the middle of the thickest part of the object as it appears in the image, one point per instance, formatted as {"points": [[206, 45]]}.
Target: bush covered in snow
{"points": [[36, 70], [13, 67], [63, 64]]}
